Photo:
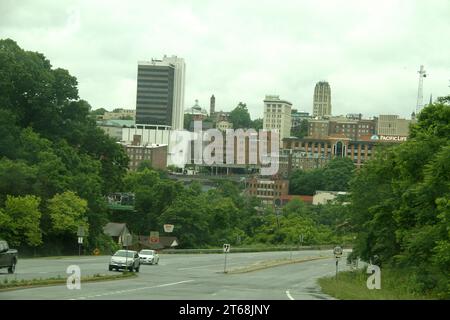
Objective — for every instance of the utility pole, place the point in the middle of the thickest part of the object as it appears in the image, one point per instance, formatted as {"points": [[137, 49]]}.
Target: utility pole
{"points": [[422, 74]]}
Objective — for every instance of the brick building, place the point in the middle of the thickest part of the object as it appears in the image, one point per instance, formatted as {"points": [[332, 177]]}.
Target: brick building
{"points": [[156, 154], [267, 189]]}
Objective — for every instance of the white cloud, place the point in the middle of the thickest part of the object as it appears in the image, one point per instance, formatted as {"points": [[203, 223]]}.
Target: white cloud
{"points": [[369, 51]]}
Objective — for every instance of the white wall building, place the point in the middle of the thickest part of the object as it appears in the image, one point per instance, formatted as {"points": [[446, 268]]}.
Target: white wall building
{"points": [[393, 125], [277, 115], [178, 141], [324, 197], [178, 91]]}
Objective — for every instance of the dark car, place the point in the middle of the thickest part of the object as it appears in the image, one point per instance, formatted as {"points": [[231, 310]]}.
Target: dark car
{"points": [[8, 257]]}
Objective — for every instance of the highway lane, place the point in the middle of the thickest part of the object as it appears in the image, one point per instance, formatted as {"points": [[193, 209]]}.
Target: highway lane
{"points": [[186, 276]]}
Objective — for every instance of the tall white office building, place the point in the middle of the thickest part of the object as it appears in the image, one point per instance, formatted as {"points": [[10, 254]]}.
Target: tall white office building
{"points": [[277, 115], [160, 92]]}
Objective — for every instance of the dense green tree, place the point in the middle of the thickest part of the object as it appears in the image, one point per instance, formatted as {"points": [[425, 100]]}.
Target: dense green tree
{"points": [[399, 203], [49, 144], [257, 124], [16, 178], [93, 114], [32, 89], [20, 221], [8, 134], [240, 117], [307, 182], [190, 220], [335, 176], [67, 213]]}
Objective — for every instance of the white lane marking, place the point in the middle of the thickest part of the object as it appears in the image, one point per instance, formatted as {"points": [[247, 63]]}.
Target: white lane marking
{"points": [[131, 290], [289, 295], [197, 267]]}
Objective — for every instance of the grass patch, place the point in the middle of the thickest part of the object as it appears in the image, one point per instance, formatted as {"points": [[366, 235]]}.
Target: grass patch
{"points": [[351, 285], [8, 284], [270, 264]]}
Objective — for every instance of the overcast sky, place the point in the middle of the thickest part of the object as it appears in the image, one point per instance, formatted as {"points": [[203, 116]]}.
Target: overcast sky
{"points": [[369, 51]]}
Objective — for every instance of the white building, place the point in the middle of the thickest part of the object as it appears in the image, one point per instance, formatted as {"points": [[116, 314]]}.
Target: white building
{"points": [[393, 125], [113, 128], [178, 141], [324, 197], [147, 134], [277, 115]]}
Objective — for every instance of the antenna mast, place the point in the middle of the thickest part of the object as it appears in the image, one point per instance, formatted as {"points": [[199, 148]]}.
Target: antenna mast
{"points": [[422, 74]]}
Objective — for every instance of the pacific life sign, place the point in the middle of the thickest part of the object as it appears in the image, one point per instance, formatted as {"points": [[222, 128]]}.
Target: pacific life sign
{"points": [[389, 138]]}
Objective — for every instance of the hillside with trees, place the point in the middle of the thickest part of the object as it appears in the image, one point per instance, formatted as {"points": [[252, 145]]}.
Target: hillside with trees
{"points": [[55, 164], [400, 204], [56, 168]]}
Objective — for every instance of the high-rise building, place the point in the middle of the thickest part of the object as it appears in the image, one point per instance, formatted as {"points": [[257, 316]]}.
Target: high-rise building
{"points": [[160, 92], [277, 115], [393, 125], [322, 99], [212, 105], [350, 128]]}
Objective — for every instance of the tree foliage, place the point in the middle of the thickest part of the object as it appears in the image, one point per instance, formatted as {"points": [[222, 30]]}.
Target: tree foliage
{"points": [[50, 146], [400, 202], [335, 176], [240, 117], [67, 213], [20, 219]]}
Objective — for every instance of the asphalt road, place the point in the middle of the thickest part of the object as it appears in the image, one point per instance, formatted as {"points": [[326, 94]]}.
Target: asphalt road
{"points": [[184, 276]]}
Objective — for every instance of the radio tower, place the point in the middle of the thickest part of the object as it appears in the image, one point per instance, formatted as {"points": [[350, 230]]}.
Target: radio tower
{"points": [[422, 74]]}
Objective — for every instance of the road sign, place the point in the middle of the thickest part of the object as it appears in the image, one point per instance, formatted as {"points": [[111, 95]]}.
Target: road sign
{"points": [[80, 240], [337, 251], [154, 237], [80, 232], [168, 228], [226, 249], [337, 254], [127, 240]]}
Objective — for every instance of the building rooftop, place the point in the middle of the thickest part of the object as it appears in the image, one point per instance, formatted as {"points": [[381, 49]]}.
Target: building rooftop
{"points": [[116, 123], [196, 110], [275, 98]]}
